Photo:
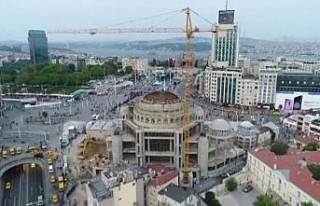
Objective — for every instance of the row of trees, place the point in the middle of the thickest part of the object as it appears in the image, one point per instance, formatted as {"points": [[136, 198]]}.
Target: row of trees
{"points": [[56, 74]]}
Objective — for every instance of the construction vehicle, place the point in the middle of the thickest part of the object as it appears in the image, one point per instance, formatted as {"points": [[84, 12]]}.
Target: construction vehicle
{"points": [[189, 31]]}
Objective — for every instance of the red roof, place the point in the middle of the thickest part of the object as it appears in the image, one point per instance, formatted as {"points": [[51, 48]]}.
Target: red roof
{"points": [[164, 178], [299, 175]]}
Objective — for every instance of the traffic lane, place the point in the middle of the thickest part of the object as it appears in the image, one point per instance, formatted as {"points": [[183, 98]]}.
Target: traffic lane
{"points": [[12, 197], [35, 183]]}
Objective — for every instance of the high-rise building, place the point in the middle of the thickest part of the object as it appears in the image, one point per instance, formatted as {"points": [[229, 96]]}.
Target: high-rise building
{"points": [[268, 84], [38, 45], [225, 43], [221, 85]]}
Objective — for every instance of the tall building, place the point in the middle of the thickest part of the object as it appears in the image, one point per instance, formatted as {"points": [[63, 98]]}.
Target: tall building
{"points": [[225, 43], [267, 87], [221, 85], [38, 45], [249, 90]]}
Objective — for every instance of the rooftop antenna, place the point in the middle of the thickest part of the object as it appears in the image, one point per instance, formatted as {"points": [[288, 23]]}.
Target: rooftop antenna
{"points": [[226, 4]]}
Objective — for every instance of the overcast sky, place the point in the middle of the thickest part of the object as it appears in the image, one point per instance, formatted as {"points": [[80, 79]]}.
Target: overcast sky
{"points": [[265, 19]]}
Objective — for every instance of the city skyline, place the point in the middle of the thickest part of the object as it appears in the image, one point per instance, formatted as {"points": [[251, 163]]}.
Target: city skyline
{"points": [[272, 19]]}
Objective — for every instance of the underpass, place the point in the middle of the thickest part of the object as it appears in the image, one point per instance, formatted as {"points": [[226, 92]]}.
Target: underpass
{"points": [[26, 185]]}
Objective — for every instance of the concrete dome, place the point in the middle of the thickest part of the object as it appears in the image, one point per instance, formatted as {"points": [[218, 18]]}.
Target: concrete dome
{"points": [[220, 125], [161, 97], [246, 124], [160, 109]]}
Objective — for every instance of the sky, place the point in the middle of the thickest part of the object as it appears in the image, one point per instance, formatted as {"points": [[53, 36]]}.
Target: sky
{"points": [[265, 19]]}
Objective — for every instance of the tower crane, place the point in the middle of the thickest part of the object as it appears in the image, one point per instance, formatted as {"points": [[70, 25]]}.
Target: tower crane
{"points": [[189, 31]]}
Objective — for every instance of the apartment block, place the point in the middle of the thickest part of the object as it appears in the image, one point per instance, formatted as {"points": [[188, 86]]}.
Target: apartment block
{"points": [[285, 177]]}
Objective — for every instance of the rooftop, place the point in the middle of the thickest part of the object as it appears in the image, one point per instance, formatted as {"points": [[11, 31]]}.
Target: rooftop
{"points": [[105, 125], [291, 162], [162, 174], [98, 188], [161, 97], [176, 193], [305, 139], [220, 125]]}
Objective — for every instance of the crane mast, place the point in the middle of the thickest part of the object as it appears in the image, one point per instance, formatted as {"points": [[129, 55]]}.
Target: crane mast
{"points": [[187, 101]]}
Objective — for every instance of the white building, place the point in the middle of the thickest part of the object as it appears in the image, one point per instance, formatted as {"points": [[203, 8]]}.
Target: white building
{"points": [[225, 46], [249, 90], [138, 64], [286, 177], [113, 189], [268, 84], [222, 85]]}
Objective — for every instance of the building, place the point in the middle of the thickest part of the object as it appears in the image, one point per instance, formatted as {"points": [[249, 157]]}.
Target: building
{"points": [[38, 45], [298, 82], [161, 178], [225, 46], [177, 196], [223, 85], [80, 63], [286, 177], [152, 133], [249, 136], [268, 83], [291, 122], [113, 188], [249, 90], [138, 64]]}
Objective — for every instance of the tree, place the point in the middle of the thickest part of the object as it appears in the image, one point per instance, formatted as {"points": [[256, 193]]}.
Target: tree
{"points": [[211, 200], [231, 184], [306, 204], [279, 148], [312, 146], [280, 106], [298, 145], [45, 114], [265, 200], [315, 170]]}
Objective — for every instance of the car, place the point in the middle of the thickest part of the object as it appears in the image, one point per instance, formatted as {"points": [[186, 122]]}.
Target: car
{"points": [[19, 150], [55, 198], [49, 152], [52, 179], [33, 165], [50, 161], [8, 186], [247, 188]]}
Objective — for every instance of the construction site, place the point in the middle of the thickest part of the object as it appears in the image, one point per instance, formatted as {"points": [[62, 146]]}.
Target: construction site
{"points": [[161, 127]]}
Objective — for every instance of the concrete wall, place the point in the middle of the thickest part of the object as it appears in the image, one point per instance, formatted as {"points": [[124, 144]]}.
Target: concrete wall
{"points": [[203, 145], [125, 194]]}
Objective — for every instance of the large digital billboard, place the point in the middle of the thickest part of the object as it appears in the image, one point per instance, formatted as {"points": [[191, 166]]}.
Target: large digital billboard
{"points": [[297, 101], [226, 17]]}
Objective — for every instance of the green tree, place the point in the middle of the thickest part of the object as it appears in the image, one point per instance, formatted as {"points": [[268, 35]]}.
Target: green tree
{"points": [[280, 106], [45, 114], [211, 200], [273, 135], [279, 147], [231, 184], [312, 146], [306, 204], [265, 200], [315, 170], [298, 145]]}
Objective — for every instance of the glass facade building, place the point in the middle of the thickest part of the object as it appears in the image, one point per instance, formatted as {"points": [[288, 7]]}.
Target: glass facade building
{"points": [[298, 82], [38, 45]]}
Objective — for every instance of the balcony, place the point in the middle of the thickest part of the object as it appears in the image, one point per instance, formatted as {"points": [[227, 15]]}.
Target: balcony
{"points": [[129, 150]]}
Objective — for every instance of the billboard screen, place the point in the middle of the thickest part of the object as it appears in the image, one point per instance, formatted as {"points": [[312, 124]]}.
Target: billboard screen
{"points": [[297, 101], [226, 17]]}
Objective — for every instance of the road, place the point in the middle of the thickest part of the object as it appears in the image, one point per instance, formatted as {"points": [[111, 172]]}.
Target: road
{"points": [[26, 183]]}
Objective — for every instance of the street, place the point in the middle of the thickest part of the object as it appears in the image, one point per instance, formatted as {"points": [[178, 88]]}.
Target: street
{"points": [[26, 185]]}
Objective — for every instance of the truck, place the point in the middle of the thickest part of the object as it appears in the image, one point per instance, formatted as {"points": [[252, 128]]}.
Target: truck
{"points": [[61, 184]]}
